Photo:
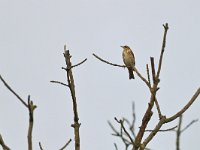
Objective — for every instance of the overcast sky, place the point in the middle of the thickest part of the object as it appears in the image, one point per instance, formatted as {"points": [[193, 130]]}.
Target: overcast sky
{"points": [[32, 37]]}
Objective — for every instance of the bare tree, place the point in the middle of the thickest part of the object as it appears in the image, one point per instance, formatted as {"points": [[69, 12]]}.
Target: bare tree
{"points": [[137, 141], [130, 138]]}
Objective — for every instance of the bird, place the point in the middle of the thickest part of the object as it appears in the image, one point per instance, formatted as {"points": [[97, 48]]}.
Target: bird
{"points": [[129, 60]]}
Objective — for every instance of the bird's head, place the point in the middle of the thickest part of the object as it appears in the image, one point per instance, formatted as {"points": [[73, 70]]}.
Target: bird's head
{"points": [[125, 47]]}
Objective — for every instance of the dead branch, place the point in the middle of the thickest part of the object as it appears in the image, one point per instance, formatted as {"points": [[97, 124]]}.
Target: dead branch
{"points": [[178, 133], [164, 130], [170, 119], [121, 135], [31, 107], [58, 82], [40, 145], [107, 62], [2, 143], [116, 148], [121, 122], [123, 66], [70, 79], [79, 63], [153, 89], [162, 49], [186, 127], [11, 90], [66, 144], [148, 74]]}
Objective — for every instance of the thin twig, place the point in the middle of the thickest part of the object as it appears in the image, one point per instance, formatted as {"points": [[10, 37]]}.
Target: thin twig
{"points": [[10, 89], [107, 62], [132, 124], [31, 107], [79, 63], [141, 77], [2, 143], [40, 145], [59, 83], [162, 49], [66, 144], [164, 130], [193, 121], [116, 148], [123, 66], [120, 134], [124, 129]]}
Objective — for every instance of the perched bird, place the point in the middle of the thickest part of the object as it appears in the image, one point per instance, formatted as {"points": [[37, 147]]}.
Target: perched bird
{"points": [[129, 60]]}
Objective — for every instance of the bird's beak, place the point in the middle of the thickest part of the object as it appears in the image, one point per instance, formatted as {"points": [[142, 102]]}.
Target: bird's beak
{"points": [[122, 46]]}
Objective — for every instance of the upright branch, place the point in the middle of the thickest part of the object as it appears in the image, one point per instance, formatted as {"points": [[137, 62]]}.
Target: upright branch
{"points": [[30, 106], [179, 130], [178, 133], [153, 89], [71, 85]]}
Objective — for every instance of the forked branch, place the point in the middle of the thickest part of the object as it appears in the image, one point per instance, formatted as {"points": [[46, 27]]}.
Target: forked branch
{"points": [[30, 106]]}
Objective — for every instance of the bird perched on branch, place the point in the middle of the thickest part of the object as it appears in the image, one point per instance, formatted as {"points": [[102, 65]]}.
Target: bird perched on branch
{"points": [[129, 60]]}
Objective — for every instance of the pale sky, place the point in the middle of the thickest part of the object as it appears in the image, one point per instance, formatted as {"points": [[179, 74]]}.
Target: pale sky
{"points": [[32, 37]]}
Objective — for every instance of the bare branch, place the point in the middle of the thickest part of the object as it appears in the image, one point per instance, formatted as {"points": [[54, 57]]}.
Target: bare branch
{"points": [[193, 121], [11, 90], [148, 74], [162, 49], [123, 66], [59, 83], [40, 145], [141, 77], [178, 114], [70, 79], [79, 63], [164, 130], [153, 70], [124, 129], [178, 133], [164, 120], [120, 134], [4, 146], [153, 89], [116, 148], [31, 108], [158, 108], [107, 62], [66, 144]]}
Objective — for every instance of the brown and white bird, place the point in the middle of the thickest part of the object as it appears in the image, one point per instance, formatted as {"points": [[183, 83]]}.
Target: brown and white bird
{"points": [[129, 60]]}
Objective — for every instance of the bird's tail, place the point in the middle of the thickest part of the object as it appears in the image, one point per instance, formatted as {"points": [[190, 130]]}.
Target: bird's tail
{"points": [[131, 75]]}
